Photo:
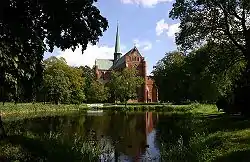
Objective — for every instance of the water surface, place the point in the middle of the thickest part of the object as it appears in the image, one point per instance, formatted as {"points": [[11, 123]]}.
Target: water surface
{"points": [[110, 136]]}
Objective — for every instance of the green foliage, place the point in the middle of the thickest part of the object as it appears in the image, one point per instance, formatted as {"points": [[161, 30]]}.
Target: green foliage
{"points": [[222, 22], [89, 76], [29, 28], [97, 92], [62, 83], [65, 24], [169, 77], [125, 84], [217, 21], [203, 75]]}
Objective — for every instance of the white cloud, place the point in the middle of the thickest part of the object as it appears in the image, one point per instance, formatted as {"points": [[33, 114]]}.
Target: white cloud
{"points": [[144, 45], [174, 28], [164, 28], [161, 27], [145, 3], [77, 58], [158, 40]]}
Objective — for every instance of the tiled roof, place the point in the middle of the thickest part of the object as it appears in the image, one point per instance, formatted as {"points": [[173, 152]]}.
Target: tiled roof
{"points": [[104, 64], [119, 62]]}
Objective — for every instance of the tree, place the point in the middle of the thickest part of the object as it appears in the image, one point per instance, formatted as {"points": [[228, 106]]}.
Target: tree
{"points": [[212, 71], [62, 82], [26, 27], [56, 81], [204, 75], [169, 77], [77, 85], [89, 76], [219, 21], [96, 92], [125, 84]]}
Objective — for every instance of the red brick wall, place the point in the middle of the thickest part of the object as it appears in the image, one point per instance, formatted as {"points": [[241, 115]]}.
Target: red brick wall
{"points": [[152, 94], [102, 75]]}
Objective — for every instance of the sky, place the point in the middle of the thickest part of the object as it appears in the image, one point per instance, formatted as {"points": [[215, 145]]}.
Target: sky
{"points": [[142, 23]]}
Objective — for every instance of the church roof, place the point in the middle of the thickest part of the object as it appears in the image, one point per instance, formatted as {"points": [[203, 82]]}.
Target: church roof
{"points": [[107, 64], [104, 64], [119, 62]]}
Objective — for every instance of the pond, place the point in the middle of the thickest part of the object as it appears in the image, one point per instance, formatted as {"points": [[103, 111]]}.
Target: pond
{"points": [[107, 136]]}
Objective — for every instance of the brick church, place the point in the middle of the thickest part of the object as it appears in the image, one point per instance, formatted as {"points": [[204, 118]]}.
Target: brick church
{"points": [[133, 58]]}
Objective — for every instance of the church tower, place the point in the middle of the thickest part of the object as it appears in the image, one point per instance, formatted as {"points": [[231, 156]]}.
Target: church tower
{"points": [[117, 54]]}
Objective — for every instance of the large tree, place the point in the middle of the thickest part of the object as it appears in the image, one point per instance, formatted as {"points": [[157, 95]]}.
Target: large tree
{"points": [[96, 92], [169, 77], [62, 83], [204, 75], [125, 84], [27, 26], [220, 21]]}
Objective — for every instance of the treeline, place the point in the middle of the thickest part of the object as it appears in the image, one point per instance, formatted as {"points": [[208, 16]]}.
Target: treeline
{"points": [[204, 75], [58, 82]]}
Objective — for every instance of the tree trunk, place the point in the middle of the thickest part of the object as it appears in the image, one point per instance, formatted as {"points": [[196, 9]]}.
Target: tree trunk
{"points": [[240, 99], [116, 156], [2, 132]]}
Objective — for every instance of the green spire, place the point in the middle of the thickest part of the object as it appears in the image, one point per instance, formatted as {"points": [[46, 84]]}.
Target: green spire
{"points": [[117, 40]]}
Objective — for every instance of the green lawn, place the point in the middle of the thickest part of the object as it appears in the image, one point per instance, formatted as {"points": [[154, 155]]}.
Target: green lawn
{"points": [[211, 136], [27, 109]]}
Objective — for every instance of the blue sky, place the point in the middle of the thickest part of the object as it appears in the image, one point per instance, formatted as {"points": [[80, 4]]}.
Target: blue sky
{"points": [[144, 23]]}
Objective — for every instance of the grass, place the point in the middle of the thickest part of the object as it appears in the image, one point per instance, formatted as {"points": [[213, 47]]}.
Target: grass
{"points": [[29, 109], [45, 148], [204, 134]]}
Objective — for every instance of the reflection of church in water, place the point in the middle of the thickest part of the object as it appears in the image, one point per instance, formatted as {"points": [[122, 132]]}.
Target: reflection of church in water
{"points": [[138, 139]]}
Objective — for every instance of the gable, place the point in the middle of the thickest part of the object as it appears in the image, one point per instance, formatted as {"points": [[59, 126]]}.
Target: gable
{"points": [[132, 53]]}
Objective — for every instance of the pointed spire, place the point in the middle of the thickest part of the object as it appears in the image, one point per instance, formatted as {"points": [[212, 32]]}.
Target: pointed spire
{"points": [[117, 40]]}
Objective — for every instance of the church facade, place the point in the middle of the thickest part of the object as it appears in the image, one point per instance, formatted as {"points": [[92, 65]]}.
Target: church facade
{"points": [[133, 58]]}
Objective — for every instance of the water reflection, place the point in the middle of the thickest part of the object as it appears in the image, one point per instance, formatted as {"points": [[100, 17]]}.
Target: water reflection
{"points": [[116, 136]]}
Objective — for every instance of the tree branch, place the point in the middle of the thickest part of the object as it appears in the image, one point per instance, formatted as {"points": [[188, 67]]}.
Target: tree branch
{"points": [[243, 23], [229, 34], [237, 16], [231, 64]]}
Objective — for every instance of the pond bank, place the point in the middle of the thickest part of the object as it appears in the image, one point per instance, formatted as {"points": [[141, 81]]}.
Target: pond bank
{"points": [[10, 109]]}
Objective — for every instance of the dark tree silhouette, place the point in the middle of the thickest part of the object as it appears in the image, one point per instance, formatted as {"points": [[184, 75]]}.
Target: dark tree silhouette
{"points": [[220, 21], [29, 27]]}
